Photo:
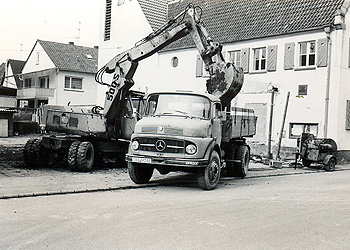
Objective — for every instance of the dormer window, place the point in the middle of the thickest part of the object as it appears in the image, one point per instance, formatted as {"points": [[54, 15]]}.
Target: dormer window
{"points": [[88, 56]]}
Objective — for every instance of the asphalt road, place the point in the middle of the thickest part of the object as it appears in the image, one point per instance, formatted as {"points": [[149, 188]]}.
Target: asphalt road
{"points": [[307, 211]]}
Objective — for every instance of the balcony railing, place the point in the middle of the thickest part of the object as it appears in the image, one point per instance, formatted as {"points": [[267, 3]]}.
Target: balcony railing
{"points": [[35, 92]]}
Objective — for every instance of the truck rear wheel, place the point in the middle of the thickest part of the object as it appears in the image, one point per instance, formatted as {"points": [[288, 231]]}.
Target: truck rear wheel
{"points": [[85, 156], [239, 169], [72, 155], [208, 178], [139, 174]]}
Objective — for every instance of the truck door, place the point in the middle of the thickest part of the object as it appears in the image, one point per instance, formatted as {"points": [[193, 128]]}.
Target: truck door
{"points": [[216, 122]]}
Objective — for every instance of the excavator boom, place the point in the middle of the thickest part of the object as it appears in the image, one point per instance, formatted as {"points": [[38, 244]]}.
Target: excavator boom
{"points": [[225, 80]]}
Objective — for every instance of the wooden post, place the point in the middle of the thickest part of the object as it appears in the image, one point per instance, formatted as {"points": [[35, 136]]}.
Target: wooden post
{"points": [[282, 126]]}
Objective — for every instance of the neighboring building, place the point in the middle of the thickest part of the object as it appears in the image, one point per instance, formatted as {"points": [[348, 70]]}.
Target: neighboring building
{"points": [[300, 46], [57, 73], [8, 104], [13, 70]]}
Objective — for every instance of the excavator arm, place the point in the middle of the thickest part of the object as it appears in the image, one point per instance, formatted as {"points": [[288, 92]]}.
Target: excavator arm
{"points": [[225, 80]]}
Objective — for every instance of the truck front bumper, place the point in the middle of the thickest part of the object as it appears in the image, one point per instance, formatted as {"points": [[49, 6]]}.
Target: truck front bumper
{"points": [[164, 161]]}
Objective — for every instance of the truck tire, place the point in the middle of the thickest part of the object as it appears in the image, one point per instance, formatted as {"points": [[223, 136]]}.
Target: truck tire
{"points": [[240, 169], [330, 165], [85, 156], [139, 174], [35, 155], [72, 155], [208, 177]]}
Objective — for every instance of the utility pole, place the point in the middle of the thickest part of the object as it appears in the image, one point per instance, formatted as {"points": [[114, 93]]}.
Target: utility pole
{"points": [[273, 91]]}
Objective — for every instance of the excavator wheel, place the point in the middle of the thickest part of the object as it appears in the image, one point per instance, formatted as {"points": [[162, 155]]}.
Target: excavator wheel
{"points": [[85, 156], [35, 155], [72, 155]]}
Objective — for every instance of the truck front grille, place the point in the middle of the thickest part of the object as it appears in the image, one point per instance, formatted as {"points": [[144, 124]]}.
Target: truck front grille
{"points": [[161, 145]]}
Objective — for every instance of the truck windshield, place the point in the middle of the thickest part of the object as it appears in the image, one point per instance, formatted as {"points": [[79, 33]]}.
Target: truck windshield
{"points": [[178, 105]]}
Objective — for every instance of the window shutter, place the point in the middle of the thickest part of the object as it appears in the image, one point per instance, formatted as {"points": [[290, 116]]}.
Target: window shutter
{"points": [[245, 60], [322, 51], [271, 58], [289, 55], [347, 118], [199, 66]]}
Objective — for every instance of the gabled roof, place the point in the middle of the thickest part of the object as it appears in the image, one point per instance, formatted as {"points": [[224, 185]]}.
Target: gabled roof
{"points": [[229, 21], [16, 67], [155, 11], [71, 57], [2, 73]]}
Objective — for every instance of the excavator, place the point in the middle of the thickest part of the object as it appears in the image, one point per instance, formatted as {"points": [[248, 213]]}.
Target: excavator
{"points": [[81, 137]]}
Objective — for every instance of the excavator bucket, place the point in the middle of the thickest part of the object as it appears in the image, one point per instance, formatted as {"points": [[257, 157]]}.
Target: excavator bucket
{"points": [[225, 82]]}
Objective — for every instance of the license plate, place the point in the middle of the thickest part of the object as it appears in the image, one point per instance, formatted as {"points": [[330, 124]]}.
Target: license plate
{"points": [[142, 160]]}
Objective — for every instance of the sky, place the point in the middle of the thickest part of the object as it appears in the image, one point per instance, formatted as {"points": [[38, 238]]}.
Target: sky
{"points": [[22, 22]]}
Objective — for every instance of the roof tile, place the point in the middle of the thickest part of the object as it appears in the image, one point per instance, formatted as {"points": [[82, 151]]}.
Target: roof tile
{"points": [[71, 57], [229, 21]]}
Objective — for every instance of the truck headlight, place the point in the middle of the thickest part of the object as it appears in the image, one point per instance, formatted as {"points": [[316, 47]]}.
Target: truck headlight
{"points": [[135, 145], [191, 149]]}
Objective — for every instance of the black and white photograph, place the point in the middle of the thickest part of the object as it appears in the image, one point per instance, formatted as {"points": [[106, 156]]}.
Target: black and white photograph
{"points": [[174, 124]]}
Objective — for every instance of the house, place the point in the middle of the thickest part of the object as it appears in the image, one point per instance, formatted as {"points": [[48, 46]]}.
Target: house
{"points": [[58, 73], [299, 47], [13, 71], [8, 103]]}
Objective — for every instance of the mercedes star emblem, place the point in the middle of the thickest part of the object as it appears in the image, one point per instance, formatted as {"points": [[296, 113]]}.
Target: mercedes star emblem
{"points": [[160, 145]]}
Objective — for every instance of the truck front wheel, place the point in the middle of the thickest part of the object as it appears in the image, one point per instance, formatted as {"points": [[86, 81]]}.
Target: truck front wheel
{"points": [[139, 174], [208, 178]]}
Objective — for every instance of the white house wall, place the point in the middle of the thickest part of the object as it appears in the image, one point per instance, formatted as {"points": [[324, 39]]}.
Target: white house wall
{"points": [[85, 96], [10, 81], [128, 26], [339, 86], [305, 109], [33, 64]]}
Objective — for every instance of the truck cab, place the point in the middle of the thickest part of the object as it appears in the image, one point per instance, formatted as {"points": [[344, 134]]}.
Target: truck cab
{"points": [[181, 131]]}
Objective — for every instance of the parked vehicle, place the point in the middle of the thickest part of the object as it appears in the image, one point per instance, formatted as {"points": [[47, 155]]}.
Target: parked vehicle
{"points": [[185, 131], [318, 150]]}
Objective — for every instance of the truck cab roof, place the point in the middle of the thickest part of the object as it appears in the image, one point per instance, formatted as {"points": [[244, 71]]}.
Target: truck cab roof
{"points": [[211, 97]]}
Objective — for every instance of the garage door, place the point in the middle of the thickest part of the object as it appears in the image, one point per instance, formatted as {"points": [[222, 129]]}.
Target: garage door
{"points": [[4, 128]]}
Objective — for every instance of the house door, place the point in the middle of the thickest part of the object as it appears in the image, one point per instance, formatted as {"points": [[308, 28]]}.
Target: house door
{"points": [[260, 110], [4, 128]]}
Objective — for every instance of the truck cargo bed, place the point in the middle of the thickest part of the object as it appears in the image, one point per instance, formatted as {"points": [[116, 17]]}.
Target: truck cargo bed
{"points": [[240, 122]]}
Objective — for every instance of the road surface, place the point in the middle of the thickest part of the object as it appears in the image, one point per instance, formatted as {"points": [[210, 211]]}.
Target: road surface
{"points": [[307, 211]]}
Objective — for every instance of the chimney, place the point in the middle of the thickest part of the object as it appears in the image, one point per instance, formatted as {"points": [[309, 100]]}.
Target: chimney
{"points": [[72, 43], [95, 47]]}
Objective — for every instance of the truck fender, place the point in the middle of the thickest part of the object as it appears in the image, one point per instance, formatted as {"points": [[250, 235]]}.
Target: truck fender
{"points": [[327, 158], [211, 146]]}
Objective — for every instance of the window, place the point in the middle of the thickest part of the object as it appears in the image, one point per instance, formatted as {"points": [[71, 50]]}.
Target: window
{"points": [[28, 83], [73, 83], [108, 20], [296, 129], [44, 82], [347, 118], [37, 58], [307, 55], [175, 61], [235, 57], [259, 59], [302, 89]]}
